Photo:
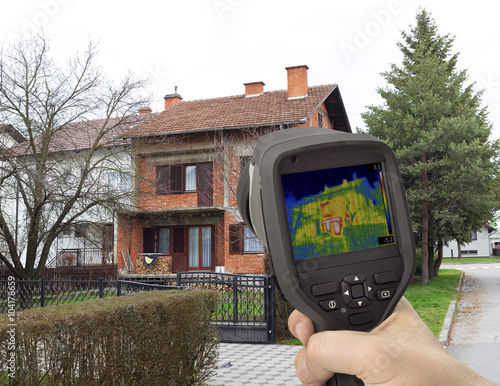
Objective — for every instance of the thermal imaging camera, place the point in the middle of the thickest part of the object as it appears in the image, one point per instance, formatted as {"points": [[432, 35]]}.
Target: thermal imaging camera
{"points": [[331, 210]]}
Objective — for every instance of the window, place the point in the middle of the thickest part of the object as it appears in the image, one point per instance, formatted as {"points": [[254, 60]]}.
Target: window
{"points": [[164, 240], [124, 182], [112, 181], [251, 243], [242, 240], [80, 230], [320, 119], [69, 177], [66, 230], [473, 235], [172, 179], [190, 179], [200, 247]]}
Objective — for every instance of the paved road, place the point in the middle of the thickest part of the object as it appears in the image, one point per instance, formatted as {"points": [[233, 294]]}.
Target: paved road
{"points": [[475, 335]]}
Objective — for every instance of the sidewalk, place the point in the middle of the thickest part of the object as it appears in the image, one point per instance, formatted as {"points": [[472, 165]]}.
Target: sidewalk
{"points": [[256, 364], [475, 336]]}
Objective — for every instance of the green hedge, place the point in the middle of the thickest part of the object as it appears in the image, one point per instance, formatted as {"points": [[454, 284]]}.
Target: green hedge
{"points": [[152, 338]]}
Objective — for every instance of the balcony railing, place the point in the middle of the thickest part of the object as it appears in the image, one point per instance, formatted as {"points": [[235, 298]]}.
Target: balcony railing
{"points": [[80, 258]]}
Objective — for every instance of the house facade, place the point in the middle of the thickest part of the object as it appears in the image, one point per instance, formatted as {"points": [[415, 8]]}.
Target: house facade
{"points": [[186, 163], [480, 245], [85, 156]]}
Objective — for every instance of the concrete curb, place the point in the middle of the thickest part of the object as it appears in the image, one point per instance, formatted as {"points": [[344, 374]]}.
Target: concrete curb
{"points": [[444, 336]]}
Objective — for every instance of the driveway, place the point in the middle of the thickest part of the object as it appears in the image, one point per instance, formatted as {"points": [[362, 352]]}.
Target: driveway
{"points": [[475, 335]]}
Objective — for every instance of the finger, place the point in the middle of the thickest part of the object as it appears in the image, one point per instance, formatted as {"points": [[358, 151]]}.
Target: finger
{"points": [[300, 326], [329, 352]]}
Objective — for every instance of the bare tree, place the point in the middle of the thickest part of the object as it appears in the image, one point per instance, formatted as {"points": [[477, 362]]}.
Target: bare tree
{"points": [[63, 172]]}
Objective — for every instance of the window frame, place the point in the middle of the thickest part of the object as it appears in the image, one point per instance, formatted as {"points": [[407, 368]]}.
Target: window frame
{"points": [[172, 178]]}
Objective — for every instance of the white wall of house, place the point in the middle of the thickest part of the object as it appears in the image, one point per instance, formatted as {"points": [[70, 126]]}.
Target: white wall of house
{"points": [[478, 247], [112, 175]]}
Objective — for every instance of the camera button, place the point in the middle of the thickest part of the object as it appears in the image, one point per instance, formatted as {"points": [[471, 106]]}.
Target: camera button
{"points": [[355, 279], [324, 289], [361, 318], [359, 303], [329, 305], [385, 294], [385, 277], [346, 292]]}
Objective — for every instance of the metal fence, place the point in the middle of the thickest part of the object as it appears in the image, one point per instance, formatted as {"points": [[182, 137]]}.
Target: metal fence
{"points": [[245, 309]]}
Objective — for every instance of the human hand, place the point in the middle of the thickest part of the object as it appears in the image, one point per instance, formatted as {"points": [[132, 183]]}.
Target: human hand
{"points": [[400, 351]]}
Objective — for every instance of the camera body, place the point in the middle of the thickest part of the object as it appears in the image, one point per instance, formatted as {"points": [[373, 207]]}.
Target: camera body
{"points": [[331, 210]]}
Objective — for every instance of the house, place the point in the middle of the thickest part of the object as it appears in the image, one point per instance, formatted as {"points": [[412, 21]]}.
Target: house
{"points": [[89, 156], [187, 160], [478, 247]]}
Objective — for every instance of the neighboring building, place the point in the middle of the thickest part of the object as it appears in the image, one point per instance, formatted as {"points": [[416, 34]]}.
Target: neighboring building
{"points": [[495, 238], [9, 136], [479, 246], [187, 161], [91, 151]]}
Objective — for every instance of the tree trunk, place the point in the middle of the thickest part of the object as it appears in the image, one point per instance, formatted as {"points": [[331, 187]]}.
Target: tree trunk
{"points": [[425, 226], [431, 262], [459, 251], [439, 260]]}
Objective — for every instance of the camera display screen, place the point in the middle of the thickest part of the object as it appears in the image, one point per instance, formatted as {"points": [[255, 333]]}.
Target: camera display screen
{"points": [[337, 210]]}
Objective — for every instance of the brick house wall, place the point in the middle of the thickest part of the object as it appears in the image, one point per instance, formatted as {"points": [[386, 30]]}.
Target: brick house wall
{"points": [[221, 132]]}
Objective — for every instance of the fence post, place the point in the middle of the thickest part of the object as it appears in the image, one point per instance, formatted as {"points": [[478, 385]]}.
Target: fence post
{"points": [[235, 299], [271, 309], [101, 288], [118, 288], [42, 292], [178, 279]]}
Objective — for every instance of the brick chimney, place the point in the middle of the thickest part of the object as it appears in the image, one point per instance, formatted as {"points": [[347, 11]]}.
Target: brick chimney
{"points": [[171, 100], [145, 110], [254, 89], [297, 81]]}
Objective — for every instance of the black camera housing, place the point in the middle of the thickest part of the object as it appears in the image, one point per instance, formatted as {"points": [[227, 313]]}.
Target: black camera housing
{"points": [[343, 254]]}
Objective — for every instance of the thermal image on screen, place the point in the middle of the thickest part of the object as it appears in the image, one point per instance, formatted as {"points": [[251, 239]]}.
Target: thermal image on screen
{"points": [[337, 210]]}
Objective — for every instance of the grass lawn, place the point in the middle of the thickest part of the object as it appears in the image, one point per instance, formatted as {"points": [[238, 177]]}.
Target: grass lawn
{"points": [[471, 260], [431, 301]]}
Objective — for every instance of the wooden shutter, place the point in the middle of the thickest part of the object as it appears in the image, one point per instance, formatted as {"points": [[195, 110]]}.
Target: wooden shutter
{"points": [[162, 179], [235, 238], [178, 240], [205, 184], [148, 245], [176, 178]]}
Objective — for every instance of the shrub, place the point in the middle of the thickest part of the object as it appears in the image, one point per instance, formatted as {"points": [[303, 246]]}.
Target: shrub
{"points": [[153, 338]]}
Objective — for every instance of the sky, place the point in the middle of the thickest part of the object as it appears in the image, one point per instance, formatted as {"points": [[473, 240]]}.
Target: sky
{"points": [[210, 48]]}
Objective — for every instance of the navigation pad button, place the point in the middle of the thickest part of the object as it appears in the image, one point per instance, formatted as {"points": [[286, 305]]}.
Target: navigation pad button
{"points": [[355, 279]]}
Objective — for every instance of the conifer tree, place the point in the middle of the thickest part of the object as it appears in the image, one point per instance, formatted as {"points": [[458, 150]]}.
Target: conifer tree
{"points": [[434, 122]]}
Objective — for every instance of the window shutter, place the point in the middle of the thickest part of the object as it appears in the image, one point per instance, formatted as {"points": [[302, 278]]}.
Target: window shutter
{"points": [[148, 240], [176, 178], [235, 238], [205, 184], [162, 179]]}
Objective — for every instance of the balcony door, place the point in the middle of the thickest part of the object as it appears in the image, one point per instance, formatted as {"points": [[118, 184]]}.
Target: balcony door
{"points": [[200, 247]]}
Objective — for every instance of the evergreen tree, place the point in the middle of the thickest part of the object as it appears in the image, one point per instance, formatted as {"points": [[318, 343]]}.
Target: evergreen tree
{"points": [[434, 123]]}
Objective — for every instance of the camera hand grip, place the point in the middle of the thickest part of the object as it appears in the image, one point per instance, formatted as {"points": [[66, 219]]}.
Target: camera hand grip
{"points": [[344, 380]]}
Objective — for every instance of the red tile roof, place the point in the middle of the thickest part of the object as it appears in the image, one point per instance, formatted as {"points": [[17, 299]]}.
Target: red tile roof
{"points": [[271, 108]]}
